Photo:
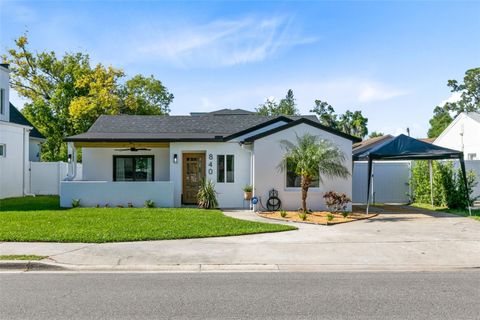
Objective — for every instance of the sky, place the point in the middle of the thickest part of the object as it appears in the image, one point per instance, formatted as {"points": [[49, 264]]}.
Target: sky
{"points": [[391, 59]]}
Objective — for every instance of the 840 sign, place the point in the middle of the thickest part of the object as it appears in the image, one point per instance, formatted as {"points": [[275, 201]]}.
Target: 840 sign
{"points": [[210, 164]]}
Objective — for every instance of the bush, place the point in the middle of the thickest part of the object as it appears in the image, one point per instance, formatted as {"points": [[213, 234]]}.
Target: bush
{"points": [[330, 217], [302, 216], [248, 188], [283, 213], [448, 186], [207, 196], [345, 214], [149, 204], [76, 203], [336, 202]]}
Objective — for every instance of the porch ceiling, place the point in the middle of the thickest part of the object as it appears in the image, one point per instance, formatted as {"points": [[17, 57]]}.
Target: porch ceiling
{"points": [[117, 144]]}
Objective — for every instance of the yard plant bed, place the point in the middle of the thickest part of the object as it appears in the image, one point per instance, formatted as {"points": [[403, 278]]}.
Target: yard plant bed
{"points": [[21, 257], [21, 221], [316, 217]]}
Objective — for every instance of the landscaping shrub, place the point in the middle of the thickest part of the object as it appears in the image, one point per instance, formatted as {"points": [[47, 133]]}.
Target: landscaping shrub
{"points": [[330, 217], [207, 196], [149, 204], [302, 216], [335, 201], [448, 185], [345, 214], [283, 213], [76, 203]]}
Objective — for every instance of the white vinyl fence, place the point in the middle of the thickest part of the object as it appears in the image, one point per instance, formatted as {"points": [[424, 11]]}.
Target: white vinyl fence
{"points": [[390, 181], [475, 166], [45, 177]]}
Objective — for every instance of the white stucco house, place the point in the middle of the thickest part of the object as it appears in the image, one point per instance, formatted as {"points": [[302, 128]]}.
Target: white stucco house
{"points": [[130, 159], [463, 134], [19, 144]]}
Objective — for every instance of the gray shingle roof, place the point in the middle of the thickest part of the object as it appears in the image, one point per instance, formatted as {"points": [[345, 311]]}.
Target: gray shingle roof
{"points": [[170, 128], [17, 117]]}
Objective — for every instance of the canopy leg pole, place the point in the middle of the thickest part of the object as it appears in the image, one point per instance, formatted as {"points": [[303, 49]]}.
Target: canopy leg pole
{"points": [[369, 178], [430, 167], [464, 173]]}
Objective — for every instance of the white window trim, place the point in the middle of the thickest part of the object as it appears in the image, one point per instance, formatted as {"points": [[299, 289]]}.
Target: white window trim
{"points": [[225, 167], [4, 153]]}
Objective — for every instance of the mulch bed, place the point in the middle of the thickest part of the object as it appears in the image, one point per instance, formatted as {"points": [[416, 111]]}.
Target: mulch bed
{"points": [[318, 217]]}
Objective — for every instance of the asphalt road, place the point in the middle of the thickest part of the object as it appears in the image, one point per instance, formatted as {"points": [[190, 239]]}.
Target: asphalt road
{"points": [[439, 295]]}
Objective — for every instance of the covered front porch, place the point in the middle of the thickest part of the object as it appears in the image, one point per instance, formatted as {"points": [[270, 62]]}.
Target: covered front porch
{"points": [[119, 174]]}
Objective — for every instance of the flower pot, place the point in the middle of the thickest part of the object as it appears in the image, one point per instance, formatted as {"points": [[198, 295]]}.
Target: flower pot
{"points": [[247, 195]]}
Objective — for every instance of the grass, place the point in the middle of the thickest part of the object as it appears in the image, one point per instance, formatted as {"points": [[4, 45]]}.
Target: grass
{"points": [[41, 219], [460, 212], [21, 257]]}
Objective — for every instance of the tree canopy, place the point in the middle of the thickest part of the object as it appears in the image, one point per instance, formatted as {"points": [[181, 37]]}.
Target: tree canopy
{"points": [[353, 123], [286, 107], [469, 102], [65, 94]]}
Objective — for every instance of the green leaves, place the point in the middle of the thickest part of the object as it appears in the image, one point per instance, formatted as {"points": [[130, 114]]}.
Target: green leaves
{"points": [[286, 107], [66, 94]]}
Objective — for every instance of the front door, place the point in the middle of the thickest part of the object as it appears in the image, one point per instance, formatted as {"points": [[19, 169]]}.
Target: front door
{"points": [[193, 175]]}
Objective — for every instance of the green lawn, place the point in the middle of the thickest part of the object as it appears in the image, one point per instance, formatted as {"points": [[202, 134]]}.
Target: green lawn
{"points": [[20, 257], [41, 219], [464, 213]]}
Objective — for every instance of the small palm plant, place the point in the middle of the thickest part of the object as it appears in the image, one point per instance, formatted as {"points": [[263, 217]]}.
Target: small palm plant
{"points": [[207, 196], [313, 157]]}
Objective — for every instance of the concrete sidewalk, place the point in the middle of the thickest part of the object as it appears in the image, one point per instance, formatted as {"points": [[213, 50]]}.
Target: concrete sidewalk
{"points": [[392, 241]]}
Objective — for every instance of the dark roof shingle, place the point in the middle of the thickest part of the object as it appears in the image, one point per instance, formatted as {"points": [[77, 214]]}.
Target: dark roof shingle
{"points": [[17, 117]]}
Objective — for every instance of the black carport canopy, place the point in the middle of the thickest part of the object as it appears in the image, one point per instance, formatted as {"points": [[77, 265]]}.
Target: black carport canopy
{"points": [[407, 148]]}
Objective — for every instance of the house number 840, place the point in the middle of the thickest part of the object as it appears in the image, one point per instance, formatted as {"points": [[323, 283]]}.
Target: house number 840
{"points": [[210, 164]]}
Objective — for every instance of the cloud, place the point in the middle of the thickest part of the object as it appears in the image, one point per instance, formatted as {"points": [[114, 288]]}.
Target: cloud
{"points": [[454, 97], [221, 42]]}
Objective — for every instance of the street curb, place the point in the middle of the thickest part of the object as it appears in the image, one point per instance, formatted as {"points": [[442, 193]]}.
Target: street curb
{"points": [[45, 266]]}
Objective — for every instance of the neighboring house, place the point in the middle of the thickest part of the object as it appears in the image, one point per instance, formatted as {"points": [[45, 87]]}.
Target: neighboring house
{"points": [[463, 134], [129, 159], [19, 144]]}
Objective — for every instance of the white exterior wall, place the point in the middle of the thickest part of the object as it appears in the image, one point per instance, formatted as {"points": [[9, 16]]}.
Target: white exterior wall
{"points": [[98, 162], [14, 165], [92, 193], [267, 156], [230, 195], [390, 181], [452, 139]]}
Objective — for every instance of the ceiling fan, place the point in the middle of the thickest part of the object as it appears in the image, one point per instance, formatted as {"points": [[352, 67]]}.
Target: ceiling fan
{"points": [[133, 149]]}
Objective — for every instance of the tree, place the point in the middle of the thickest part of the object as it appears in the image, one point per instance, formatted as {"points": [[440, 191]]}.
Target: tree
{"points": [[286, 107], [352, 123], [375, 134], [311, 156], [441, 119], [65, 95], [469, 102]]}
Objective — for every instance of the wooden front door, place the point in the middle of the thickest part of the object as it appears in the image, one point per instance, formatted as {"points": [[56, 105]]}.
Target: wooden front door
{"points": [[193, 175]]}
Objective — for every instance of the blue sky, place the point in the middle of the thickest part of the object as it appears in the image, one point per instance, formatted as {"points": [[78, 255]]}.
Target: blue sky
{"points": [[391, 60]]}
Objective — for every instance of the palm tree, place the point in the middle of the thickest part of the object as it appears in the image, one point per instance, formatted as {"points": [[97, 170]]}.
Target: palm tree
{"points": [[311, 158]]}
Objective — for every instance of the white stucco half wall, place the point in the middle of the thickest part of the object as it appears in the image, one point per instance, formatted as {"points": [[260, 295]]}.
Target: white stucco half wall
{"points": [[267, 156]]}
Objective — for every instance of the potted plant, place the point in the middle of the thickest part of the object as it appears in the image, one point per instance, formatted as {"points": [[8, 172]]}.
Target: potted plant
{"points": [[247, 192]]}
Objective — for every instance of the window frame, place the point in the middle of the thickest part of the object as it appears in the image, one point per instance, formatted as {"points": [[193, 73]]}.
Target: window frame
{"points": [[472, 156], [2, 101], [287, 188], [134, 166], [3, 154], [225, 168]]}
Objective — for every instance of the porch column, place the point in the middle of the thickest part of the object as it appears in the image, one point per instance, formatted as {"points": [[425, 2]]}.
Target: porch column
{"points": [[72, 162]]}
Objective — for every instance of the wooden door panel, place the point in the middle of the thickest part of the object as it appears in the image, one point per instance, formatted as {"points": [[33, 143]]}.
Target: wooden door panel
{"points": [[193, 175]]}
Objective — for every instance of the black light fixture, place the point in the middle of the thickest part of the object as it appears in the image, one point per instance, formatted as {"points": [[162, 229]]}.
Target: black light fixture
{"points": [[69, 158], [175, 158]]}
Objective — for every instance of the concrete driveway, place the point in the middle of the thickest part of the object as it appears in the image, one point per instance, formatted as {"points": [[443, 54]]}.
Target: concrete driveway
{"points": [[397, 239]]}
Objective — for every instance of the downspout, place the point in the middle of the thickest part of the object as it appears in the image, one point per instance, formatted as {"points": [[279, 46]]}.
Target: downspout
{"points": [[25, 136], [72, 162]]}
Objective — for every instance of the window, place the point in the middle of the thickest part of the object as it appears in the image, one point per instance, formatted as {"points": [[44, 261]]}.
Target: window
{"points": [[3, 150], [472, 156], [2, 101], [133, 168], [225, 168], [293, 180]]}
